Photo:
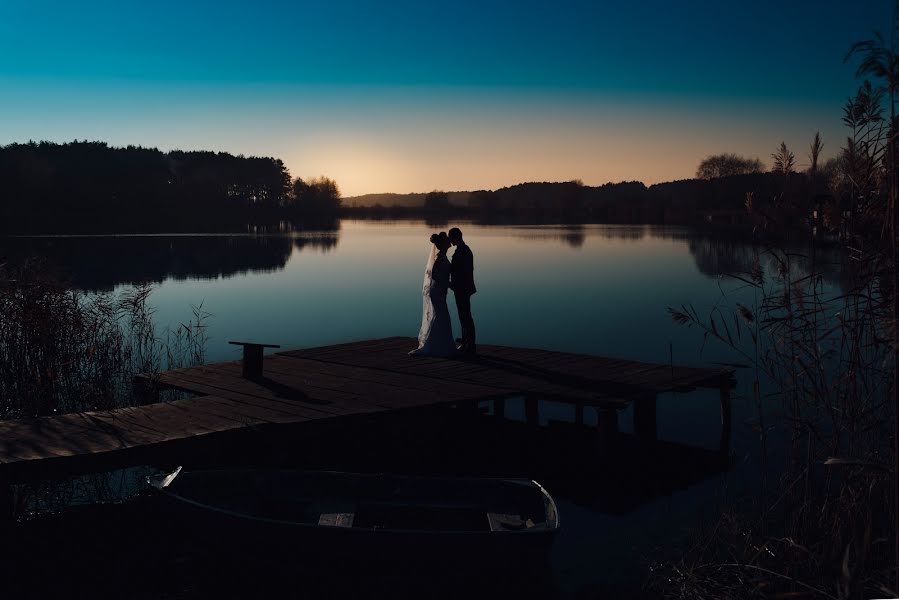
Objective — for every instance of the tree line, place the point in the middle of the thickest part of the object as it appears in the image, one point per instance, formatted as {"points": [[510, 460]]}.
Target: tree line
{"points": [[96, 185], [715, 201], [729, 190], [87, 186]]}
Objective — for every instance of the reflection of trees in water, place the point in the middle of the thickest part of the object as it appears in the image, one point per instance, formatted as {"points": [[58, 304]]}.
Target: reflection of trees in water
{"points": [[714, 254], [440, 222], [575, 239], [624, 232], [324, 241], [101, 263], [727, 256], [573, 235]]}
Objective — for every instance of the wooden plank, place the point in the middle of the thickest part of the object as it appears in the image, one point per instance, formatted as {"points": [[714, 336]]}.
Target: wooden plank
{"points": [[284, 407], [299, 367], [214, 383], [339, 381], [98, 432], [245, 415], [368, 392], [610, 370], [524, 378], [353, 347], [228, 376], [387, 396]]}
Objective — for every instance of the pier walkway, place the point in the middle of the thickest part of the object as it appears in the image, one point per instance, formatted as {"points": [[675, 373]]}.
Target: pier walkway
{"points": [[345, 381]]}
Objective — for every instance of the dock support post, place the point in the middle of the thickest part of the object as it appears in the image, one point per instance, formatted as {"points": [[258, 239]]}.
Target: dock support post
{"points": [[531, 410], [607, 421], [8, 501], [579, 413], [499, 408], [645, 425], [144, 389], [726, 419]]}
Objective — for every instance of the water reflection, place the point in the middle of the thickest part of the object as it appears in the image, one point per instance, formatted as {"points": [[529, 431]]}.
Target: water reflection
{"points": [[100, 263], [571, 235], [324, 241], [594, 289], [713, 253]]}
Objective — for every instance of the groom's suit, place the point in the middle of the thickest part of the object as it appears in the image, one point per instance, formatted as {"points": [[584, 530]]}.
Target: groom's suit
{"points": [[462, 284]]}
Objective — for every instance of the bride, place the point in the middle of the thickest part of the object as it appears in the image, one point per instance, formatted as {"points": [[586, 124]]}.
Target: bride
{"points": [[436, 335]]}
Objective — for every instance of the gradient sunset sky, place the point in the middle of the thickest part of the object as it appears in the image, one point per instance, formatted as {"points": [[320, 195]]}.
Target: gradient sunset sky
{"points": [[411, 96]]}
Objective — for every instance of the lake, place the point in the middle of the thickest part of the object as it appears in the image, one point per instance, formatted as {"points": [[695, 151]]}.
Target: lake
{"points": [[597, 289]]}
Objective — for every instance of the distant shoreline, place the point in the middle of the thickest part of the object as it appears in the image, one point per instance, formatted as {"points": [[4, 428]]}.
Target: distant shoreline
{"points": [[90, 187]]}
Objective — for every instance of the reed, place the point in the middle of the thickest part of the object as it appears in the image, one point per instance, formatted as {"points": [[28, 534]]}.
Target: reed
{"points": [[62, 350], [824, 388], [821, 387]]}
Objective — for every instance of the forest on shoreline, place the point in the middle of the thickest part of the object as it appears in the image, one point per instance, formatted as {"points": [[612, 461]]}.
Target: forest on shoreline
{"points": [[717, 202], [91, 187]]}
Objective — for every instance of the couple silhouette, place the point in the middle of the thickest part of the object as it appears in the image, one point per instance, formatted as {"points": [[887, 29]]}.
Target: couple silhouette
{"points": [[441, 275]]}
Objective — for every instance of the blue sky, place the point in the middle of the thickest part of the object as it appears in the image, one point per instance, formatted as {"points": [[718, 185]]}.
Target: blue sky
{"points": [[412, 96]]}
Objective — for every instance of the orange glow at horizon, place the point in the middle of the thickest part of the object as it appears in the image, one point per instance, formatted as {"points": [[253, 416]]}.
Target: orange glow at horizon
{"points": [[468, 160], [408, 139]]}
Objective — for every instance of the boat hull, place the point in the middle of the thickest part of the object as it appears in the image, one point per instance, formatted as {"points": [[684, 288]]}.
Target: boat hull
{"points": [[406, 519]]}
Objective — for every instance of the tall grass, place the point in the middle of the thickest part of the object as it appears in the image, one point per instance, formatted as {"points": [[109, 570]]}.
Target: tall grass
{"points": [[821, 381], [825, 384], [62, 350]]}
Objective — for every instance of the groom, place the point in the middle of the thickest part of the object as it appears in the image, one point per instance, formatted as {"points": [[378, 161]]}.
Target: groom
{"points": [[462, 284]]}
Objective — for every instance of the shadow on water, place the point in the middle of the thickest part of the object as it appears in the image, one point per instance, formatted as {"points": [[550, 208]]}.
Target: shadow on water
{"points": [[144, 547]]}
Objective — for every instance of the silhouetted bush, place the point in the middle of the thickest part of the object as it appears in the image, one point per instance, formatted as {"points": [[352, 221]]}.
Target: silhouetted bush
{"points": [[727, 165]]}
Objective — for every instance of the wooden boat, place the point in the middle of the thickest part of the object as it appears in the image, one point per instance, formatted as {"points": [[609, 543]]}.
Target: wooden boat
{"points": [[353, 513]]}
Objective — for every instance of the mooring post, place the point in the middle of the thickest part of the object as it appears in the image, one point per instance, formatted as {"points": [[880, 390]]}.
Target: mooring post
{"points": [[579, 413], [251, 368], [726, 418], [144, 389], [252, 362], [645, 423], [607, 421]]}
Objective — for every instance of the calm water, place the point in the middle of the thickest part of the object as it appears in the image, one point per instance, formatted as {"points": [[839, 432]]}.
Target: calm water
{"points": [[592, 289]]}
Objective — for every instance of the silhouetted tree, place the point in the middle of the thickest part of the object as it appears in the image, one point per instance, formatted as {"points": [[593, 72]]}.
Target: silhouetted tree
{"points": [[727, 165], [437, 200], [318, 196], [134, 187]]}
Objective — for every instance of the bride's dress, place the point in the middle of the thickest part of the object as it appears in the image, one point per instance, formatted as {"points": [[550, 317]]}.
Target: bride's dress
{"points": [[436, 335]]}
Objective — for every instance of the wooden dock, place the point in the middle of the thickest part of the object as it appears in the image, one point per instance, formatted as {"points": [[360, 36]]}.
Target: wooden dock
{"points": [[346, 381]]}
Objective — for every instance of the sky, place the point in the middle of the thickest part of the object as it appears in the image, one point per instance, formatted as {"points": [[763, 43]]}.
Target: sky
{"points": [[410, 96]]}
